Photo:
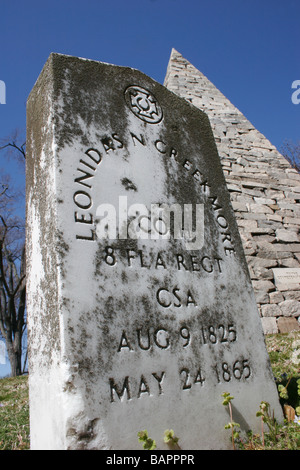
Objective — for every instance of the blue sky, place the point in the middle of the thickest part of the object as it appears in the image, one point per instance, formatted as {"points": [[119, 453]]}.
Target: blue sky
{"points": [[249, 49]]}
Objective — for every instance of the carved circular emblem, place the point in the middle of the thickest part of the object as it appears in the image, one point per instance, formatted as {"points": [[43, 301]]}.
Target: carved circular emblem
{"points": [[143, 104]]}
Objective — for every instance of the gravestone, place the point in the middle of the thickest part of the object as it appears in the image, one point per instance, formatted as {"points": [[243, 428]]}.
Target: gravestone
{"points": [[141, 311], [287, 278]]}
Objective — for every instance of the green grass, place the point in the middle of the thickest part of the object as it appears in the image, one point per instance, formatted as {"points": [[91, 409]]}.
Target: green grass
{"points": [[14, 413], [284, 352]]}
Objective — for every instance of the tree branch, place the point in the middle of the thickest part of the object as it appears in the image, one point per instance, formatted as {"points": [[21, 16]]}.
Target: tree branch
{"points": [[20, 149]]}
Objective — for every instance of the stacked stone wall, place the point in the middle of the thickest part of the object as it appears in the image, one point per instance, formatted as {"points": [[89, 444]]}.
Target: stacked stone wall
{"points": [[265, 194]]}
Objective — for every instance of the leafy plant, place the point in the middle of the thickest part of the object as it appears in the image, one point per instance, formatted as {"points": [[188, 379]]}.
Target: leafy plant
{"points": [[171, 439], [235, 434], [148, 443], [284, 436], [270, 421]]}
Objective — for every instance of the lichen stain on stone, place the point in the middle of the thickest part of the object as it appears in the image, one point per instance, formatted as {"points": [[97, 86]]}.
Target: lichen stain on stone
{"points": [[82, 99], [81, 434], [128, 184]]}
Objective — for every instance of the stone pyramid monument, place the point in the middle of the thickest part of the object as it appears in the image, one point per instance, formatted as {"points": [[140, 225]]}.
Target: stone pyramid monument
{"points": [[265, 194]]}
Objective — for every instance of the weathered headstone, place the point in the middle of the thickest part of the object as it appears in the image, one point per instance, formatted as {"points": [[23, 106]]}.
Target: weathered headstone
{"points": [[140, 306], [287, 278]]}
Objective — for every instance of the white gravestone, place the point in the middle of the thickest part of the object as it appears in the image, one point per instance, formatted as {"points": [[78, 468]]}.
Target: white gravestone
{"points": [[140, 306]]}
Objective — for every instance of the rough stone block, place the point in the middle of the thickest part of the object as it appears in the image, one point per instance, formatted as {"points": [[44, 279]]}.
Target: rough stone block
{"points": [[285, 325], [290, 308], [263, 285], [288, 236], [260, 208], [261, 297], [248, 224], [269, 325], [290, 263], [291, 295], [276, 297], [271, 310]]}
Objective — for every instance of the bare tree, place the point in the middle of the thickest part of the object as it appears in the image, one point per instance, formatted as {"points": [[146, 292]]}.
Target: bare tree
{"points": [[12, 269], [15, 146], [291, 152]]}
